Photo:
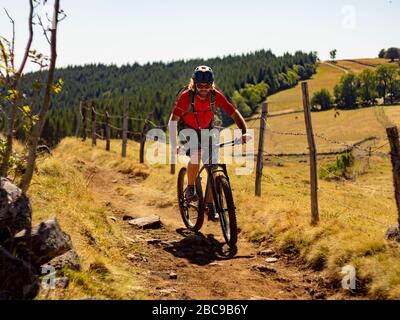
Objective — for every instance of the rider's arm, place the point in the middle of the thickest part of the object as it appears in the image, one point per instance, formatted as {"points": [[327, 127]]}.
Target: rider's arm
{"points": [[173, 129], [238, 118]]}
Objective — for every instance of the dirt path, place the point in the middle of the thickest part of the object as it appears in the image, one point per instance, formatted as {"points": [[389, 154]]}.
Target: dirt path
{"points": [[181, 265], [336, 67]]}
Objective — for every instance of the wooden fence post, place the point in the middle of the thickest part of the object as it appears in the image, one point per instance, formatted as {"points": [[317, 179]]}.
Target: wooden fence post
{"points": [[393, 136], [125, 128], [84, 120], [107, 128], [79, 119], [313, 154], [143, 137], [260, 154], [94, 137]]}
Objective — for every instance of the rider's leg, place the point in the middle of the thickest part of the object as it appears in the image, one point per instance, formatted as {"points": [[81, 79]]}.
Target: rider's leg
{"points": [[193, 167]]}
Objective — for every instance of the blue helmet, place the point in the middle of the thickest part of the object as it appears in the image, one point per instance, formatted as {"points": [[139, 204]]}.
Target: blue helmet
{"points": [[203, 74]]}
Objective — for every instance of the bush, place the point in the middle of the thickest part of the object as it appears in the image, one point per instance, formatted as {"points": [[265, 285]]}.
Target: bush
{"points": [[321, 100], [339, 169]]}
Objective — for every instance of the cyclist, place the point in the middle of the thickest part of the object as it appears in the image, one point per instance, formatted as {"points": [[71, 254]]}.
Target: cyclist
{"points": [[195, 110]]}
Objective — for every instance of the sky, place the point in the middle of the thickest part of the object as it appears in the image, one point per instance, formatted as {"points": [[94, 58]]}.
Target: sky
{"points": [[128, 31]]}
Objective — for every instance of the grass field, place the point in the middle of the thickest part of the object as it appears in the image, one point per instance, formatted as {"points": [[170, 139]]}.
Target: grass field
{"points": [[326, 77]]}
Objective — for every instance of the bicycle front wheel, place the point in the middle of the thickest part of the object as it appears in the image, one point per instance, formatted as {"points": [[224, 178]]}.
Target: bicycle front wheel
{"points": [[192, 213], [227, 211]]}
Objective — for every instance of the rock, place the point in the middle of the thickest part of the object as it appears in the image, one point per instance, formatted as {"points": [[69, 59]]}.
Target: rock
{"points": [[393, 233], [168, 291], [150, 222], [69, 260], [15, 210], [263, 268], [17, 279], [271, 260], [267, 252], [173, 276], [127, 217], [45, 242], [153, 241], [113, 218], [62, 283], [114, 181]]}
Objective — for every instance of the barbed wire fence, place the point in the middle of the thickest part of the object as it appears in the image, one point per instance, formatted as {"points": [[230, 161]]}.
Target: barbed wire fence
{"points": [[103, 119]]}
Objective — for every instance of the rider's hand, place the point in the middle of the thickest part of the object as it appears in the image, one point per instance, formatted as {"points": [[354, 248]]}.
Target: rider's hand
{"points": [[246, 137]]}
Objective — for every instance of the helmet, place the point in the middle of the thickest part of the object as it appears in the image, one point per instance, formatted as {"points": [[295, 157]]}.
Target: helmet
{"points": [[203, 74]]}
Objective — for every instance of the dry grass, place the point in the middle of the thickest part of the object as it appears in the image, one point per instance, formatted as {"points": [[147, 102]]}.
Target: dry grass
{"points": [[61, 188], [326, 77], [353, 66]]}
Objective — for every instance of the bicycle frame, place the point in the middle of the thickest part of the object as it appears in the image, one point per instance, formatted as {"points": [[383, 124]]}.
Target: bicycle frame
{"points": [[212, 169]]}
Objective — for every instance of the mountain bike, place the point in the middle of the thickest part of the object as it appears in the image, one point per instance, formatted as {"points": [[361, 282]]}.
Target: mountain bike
{"points": [[218, 183]]}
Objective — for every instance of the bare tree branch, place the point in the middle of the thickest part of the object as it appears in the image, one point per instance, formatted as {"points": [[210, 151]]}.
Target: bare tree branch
{"points": [[44, 30], [12, 52]]}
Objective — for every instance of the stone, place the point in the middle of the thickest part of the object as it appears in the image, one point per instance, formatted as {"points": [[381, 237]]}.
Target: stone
{"points": [[150, 222], [113, 218], [263, 268], [127, 217], [393, 233], [15, 210], [45, 242], [267, 252], [168, 291], [68, 260], [153, 241], [271, 260], [18, 280], [173, 276]]}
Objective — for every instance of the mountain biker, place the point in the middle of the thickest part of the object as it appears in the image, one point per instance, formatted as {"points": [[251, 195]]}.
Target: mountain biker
{"points": [[195, 109]]}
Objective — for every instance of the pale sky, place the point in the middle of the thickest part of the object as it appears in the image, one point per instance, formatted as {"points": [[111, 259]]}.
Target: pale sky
{"points": [[122, 31]]}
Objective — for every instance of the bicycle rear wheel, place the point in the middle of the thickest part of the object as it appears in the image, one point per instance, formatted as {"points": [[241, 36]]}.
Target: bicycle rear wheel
{"points": [[226, 211], [192, 213]]}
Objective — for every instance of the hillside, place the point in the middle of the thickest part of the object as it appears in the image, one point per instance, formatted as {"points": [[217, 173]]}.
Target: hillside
{"points": [[152, 88], [91, 190]]}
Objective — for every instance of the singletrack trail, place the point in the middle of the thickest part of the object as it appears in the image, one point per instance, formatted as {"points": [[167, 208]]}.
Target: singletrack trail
{"points": [[178, 264]]}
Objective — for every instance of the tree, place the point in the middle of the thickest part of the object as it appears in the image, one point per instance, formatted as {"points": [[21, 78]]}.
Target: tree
{"points": [[346, 92], [387, 77], [12, 81], [382, 54], [392, 54], [321, 100], [332, 54], [367, 91], [50, 88]]}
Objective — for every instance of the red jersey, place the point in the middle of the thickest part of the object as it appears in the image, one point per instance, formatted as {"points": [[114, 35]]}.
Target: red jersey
{"points": [[203, 118]]}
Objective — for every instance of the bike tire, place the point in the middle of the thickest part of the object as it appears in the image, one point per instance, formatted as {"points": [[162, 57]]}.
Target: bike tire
{"points": [[227, 211], [184, 207]]}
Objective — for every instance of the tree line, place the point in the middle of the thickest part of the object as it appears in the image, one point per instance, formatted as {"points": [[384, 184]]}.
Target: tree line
{"points": [[362, 90], [153, 87]]}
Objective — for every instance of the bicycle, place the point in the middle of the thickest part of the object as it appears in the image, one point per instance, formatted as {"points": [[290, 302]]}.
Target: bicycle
{"points": [[222, 197]]}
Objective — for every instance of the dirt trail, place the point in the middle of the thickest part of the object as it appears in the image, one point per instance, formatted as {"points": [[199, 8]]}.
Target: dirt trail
{"points": [[181, 265]]}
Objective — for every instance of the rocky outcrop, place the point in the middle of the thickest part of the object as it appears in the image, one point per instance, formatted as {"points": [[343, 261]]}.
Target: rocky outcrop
{"points": [[23, 249]]}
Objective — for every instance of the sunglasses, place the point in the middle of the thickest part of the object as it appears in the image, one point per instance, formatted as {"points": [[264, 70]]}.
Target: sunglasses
{"points": [[203, 86]]}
